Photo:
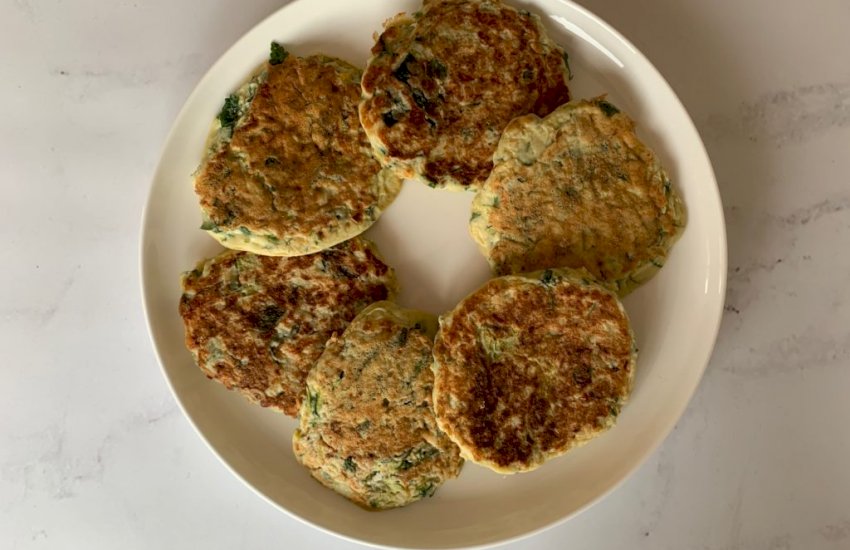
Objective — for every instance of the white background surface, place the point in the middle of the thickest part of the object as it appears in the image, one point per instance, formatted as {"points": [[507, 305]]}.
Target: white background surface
{"points": [[93, 450]]}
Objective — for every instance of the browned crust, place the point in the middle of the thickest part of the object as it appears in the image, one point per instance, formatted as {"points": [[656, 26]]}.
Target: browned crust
{"points": [[384, 380], [452, 77], [299, 163], [271, 316], [595, 198], [368, 425], [560, 382]]}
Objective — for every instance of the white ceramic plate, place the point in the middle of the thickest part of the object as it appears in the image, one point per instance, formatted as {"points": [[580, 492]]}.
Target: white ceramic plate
{"points": [[424, 236]]}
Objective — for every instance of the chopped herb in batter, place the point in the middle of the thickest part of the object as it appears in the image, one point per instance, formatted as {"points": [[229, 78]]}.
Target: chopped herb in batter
{"points": [[426, 490], [278, 54], [436, 69], [208, 225], [363, 427], [268, 318], [229, 112], [420, 99], [401, 339], [402, 73], [582, 375], [567, 63], [313, 399], [608, 109]]}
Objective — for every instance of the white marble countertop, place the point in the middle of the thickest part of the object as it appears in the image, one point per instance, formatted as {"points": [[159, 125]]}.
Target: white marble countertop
{"points": [[94, 452]]}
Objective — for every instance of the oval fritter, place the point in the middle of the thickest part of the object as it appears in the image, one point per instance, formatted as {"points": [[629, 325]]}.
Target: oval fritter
{"points": [[367, 426], [443, 83], [529, 366], [577, 189], [290, 170], [257, 324]]}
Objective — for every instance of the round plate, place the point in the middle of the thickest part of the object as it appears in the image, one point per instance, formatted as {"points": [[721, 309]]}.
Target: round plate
{"points": [[424, 236]]}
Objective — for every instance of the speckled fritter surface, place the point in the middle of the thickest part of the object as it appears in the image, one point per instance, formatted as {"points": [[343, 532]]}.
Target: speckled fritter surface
{"points": [[530, 366], [367, 426], [296, 174], [257, 324], [577, 189], [443, 83]]}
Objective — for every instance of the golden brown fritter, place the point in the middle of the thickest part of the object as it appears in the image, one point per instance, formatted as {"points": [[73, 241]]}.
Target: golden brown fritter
{"points": [[297, 175], [529, 366], [257, 324], [443, 83], [367, 426], [577, 189]]}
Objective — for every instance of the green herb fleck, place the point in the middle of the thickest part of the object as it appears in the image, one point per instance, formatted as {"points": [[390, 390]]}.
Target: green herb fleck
{"points": [[363, 427], [420, 99], [268, 318], [567, 63], [405, 463], [402, 73], [436, 69], [348, 465], [413, 457], [607, 108], [426, 490], [208, 225], [421, 365], [402, 337], [342, 271], [244, 230], [278, 54], [313, 401], [229, 112], [582, 375], [548, 277]]}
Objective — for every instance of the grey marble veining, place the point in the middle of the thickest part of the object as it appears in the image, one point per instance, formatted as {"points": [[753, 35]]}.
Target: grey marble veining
{"points": [[94, 451]]}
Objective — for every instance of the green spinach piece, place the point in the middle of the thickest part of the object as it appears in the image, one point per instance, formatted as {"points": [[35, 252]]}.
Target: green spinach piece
{"points": [[608, 109], [229, 112], [278, 54]]}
